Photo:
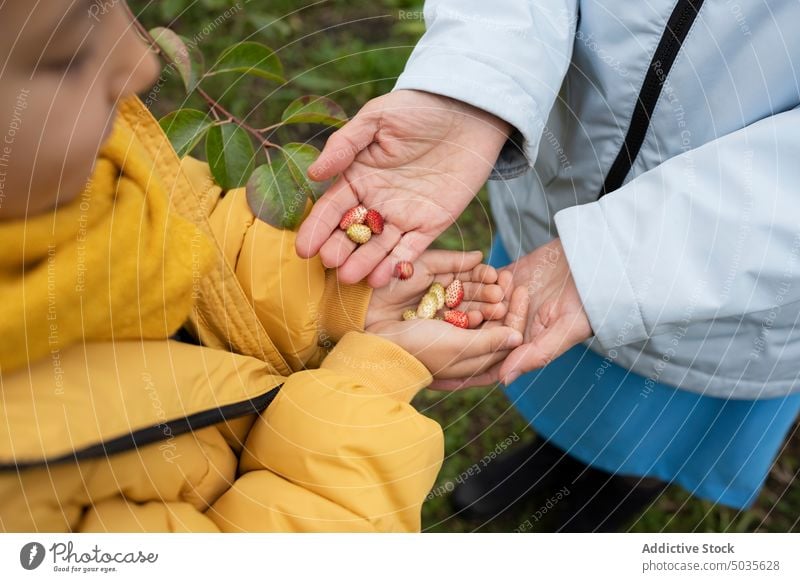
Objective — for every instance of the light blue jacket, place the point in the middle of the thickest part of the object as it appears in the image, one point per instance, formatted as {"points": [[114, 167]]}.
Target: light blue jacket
{"points": [[688, 265]]}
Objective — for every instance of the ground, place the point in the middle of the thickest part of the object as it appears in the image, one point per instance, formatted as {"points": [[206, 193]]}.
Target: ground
{"points": [[352, 50]]}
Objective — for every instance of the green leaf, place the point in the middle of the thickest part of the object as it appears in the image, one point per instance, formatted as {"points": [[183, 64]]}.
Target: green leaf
{"points": [[185, 128], [230, 155], [187, 58], [314, 109], [252, 58], [275, 195], [302, 156], [171, 8]]}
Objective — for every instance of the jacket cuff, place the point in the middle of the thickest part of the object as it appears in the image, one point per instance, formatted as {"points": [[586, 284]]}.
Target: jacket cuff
{"points": [[612, 306], [380, 365], [344, 307]]}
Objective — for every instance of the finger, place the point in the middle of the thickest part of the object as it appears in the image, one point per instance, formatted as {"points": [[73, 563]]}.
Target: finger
{"points": [[410, 247], [475, 318], [369, 255], [547, 346], [344, 145], [487, 311], [517, 316], [475, 369], [479, 342], [324, 218], [440, 262], [336, 250], [480, 274], [485, 299], [483, 293], [506, 280]]}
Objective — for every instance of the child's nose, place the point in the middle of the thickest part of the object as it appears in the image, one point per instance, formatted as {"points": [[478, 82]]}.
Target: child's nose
{"points": [[138, 75], [147, 72], [137, 66]]}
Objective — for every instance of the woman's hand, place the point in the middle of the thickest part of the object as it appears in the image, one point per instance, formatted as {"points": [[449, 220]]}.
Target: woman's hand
{"points": [[448, 351], [553, 322], [556, 318], [415, 157]]}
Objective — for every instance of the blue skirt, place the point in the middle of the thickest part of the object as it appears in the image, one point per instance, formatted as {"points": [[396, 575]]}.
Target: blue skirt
{"points": [[607, 417]]}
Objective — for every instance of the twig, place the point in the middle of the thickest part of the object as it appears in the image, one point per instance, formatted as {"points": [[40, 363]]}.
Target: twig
{"points": [[215, 107]]}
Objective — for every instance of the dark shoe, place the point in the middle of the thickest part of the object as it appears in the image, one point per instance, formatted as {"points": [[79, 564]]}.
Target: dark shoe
{"points": [[512, 478], [601, 502]]}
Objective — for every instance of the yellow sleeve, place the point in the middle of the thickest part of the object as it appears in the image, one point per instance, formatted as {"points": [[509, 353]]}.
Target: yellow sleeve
{"points": [[340, 448], [304, 310]]}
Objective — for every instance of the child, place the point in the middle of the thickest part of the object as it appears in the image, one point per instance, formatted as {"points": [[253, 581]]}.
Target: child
{"points": [[110, 425]]}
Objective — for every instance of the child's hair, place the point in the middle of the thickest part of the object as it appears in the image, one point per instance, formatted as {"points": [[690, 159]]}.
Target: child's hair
{"points": [[65, 66]]}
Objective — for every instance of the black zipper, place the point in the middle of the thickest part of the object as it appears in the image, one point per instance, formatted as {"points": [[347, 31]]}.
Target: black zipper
{"points": [[680, 22], [155, 433]]}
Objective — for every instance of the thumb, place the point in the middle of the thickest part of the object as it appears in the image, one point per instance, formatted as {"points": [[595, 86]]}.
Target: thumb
{"points": [[479, 342], [344, 145], [445, 262], [487, 378]]}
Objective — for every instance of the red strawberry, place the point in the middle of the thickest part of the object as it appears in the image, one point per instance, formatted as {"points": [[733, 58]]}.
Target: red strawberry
{"points": [[454, 294], [374, 221], [355, 215], [404, 270], [457, 318]]}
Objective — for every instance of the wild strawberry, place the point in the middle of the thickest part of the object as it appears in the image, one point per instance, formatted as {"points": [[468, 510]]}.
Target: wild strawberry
{"points": [[359, 233], [427, 307], [374, 221], [438, 290], [404, 270], [454, 294], [457, 318], [355, 215], [409, 314]]}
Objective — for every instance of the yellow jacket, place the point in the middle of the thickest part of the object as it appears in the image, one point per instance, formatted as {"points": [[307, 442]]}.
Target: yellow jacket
{"points": [[238, 434]]}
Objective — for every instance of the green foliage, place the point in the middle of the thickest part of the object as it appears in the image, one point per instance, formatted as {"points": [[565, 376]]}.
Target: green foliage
{"points": [[185, 128], [277, 192], [250, 58], [302, 156], [314, 109], [230, 155], [186, 58]]}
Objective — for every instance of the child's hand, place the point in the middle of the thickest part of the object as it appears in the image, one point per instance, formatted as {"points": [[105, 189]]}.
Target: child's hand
{"points": [[483, 293], [516, 318], [448, 351]]}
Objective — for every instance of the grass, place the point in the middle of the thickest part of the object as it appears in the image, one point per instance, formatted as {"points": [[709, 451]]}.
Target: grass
{"points": [[353, 51]]}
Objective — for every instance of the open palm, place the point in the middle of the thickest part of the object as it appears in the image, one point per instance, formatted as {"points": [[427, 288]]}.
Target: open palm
{"points": [[415, 157], [553, 320], [556, 318]]}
